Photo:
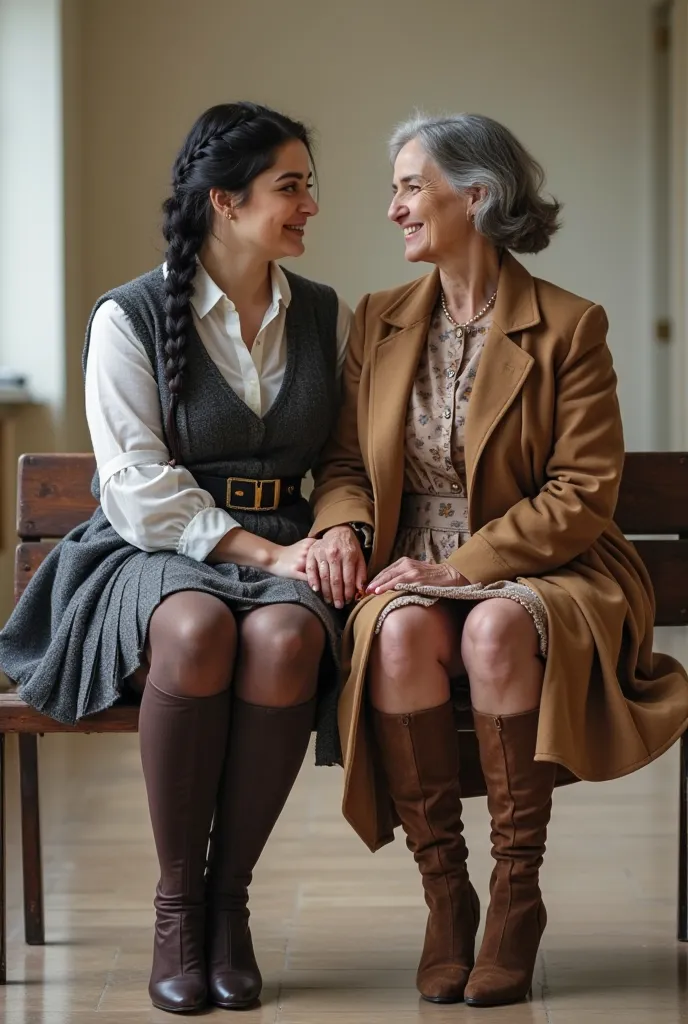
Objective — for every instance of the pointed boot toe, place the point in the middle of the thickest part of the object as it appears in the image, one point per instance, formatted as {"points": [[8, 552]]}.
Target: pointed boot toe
{"points": [[234, 980]]}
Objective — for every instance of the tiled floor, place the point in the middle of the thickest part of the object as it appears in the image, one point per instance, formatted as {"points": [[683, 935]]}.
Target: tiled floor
{"points": [[338, 930]]}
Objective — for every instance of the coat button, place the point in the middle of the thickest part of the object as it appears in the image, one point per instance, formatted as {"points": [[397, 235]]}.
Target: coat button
{"points": [[455, 487]]}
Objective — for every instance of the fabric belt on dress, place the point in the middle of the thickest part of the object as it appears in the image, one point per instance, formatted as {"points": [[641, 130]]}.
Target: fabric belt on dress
{"points": [[234, 492], [448, 512]]}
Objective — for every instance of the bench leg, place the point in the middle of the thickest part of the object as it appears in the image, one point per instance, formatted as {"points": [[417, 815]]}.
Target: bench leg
{"points": [[3, 867], [683, 846], [34, 927]]}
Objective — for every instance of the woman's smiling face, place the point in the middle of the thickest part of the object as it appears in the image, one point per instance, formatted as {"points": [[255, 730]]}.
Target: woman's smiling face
{"points": [[433, 216], [273, 219]]}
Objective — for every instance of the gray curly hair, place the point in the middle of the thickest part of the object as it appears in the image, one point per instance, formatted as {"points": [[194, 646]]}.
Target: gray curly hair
{"points": [[474, 151]]}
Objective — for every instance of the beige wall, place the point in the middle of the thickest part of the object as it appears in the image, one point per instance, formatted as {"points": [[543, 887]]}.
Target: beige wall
{"points": [[570, 78]]}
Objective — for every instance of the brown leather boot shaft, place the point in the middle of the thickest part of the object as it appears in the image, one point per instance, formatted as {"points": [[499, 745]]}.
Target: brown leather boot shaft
{"points": [[265, 752], [183, 742], [420, 758], [519, 797]]}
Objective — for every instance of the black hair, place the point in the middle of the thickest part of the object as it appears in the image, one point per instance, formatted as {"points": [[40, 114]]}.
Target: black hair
{"points": [[228, 146]]}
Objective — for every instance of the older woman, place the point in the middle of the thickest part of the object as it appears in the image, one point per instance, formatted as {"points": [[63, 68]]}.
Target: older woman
{"points": [[478, 457]]}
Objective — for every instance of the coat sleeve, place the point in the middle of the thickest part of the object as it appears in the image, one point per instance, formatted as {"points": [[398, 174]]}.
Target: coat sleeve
{"points": [[343, 493], [577, 503]]}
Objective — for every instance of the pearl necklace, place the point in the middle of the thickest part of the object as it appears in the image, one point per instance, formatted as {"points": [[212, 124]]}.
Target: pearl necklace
{"points": [[461, 328]]}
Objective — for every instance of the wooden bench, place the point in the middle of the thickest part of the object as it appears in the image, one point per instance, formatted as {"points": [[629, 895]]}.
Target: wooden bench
{"points": [[54, 496]]}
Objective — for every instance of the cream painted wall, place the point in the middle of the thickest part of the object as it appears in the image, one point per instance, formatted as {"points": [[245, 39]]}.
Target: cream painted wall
{"points": [[570, 78]]}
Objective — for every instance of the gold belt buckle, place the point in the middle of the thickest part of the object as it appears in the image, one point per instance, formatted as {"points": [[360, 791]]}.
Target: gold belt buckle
{"points": [[238, 486]]}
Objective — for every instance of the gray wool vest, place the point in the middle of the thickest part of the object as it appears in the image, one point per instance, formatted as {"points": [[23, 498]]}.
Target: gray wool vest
{"points": [[219, 433]]}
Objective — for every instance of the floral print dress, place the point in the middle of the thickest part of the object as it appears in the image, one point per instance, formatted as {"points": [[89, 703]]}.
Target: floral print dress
{"points": [[434, 512]]}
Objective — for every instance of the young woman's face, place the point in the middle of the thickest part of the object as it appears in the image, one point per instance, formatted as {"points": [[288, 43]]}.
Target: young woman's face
{"points": [[273, 219]]}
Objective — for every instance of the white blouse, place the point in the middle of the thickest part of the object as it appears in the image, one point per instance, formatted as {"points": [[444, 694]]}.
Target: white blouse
{"points": [[150, 504]]}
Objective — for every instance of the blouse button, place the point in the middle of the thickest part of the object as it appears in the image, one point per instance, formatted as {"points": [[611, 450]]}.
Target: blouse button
{"points": [[451, 373], [447, 414], [455, 487]]}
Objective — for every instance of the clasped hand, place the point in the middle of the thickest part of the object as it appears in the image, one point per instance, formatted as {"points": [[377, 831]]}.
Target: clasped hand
{"points": [[335, 567]]}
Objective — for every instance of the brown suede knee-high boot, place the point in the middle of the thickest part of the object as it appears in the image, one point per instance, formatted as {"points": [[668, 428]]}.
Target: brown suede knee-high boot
{"points": [[266, 750], [519, 797], [420, 756], [183, 743]]}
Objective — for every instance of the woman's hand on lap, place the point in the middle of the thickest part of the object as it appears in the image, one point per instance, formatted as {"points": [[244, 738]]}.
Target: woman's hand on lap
{"points": [[424, 574]]}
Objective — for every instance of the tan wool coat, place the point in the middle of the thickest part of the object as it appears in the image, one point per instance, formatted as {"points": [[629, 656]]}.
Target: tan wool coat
{"points": [[544, 451]]}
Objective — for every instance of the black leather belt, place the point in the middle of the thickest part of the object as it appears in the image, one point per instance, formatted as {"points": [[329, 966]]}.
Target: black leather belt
{"points": [[234, 492]]}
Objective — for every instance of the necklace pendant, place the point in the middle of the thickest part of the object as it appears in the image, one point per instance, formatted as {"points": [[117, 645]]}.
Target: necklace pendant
{"points": [[459, 333]]}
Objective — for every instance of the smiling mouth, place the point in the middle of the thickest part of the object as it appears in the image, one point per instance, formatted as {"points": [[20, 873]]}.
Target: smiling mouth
{"points": [[412, 230], [297, 228]]}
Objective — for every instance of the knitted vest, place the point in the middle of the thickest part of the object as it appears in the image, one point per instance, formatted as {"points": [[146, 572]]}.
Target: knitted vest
{"points": [[218, 432]]}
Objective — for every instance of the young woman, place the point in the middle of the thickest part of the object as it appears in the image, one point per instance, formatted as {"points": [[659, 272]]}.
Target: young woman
{"points": [[211, 387]]}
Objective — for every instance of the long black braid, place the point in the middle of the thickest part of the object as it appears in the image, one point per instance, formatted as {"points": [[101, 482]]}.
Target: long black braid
{"points": [[228, 146]]}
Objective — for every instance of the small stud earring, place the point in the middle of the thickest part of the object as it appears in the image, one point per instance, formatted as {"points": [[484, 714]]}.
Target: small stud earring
{"points": [[228, 214]]}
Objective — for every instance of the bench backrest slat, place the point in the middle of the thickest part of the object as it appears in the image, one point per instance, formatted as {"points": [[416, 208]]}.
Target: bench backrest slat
{"points": [[54, 494], [27, 558], [654, 493]]}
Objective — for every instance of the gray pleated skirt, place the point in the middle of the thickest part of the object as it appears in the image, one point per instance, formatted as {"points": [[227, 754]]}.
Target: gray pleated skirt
{"points": [[80, 628]]}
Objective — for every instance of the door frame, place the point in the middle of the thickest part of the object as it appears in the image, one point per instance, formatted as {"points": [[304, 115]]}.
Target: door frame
{"points": [[679, 225]]}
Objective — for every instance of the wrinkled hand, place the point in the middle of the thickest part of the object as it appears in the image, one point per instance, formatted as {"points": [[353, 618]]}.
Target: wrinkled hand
{"points": [[290, 561], [336, 566], [425, 574]]}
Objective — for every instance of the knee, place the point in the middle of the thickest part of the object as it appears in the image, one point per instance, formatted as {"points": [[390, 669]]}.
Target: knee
{"points": [[194, 641], [289, 640], [281, 651], [405, 635], [498, 637], [207, 634]]}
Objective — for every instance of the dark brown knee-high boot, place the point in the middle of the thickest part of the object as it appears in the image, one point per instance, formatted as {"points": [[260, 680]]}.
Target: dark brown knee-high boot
{"points": [[183, 743], [519, 797], [266, 749], [420, 756]]}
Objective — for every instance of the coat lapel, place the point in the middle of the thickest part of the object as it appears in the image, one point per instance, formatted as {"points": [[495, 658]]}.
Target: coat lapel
{"points": [[394, 363], [501, 374], [504, 366]]}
